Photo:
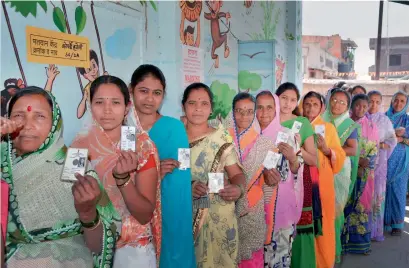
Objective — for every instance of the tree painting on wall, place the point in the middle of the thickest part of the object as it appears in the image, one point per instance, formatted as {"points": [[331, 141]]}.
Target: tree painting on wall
{"points": [[249, 81], [223, 97]]}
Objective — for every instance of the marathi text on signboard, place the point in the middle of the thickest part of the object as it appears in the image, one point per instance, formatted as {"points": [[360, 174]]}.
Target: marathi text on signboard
{"points": [[192, 65], [51, 47]]}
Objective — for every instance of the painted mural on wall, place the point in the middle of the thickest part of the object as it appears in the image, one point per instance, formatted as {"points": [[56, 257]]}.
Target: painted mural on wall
{"points": [[249, 68], [113, 45], [120, 31]]}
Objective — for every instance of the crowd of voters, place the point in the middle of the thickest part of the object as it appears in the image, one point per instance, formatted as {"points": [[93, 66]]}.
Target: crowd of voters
{"points": [[338, 181]]}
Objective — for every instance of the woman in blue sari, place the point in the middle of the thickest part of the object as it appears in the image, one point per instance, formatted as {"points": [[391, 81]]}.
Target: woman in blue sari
{"points": [[398, 166], [147, 91]]}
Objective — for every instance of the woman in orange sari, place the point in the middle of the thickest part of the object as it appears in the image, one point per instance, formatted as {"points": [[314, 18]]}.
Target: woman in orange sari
{"points": [[331, 159], [131, 178]]}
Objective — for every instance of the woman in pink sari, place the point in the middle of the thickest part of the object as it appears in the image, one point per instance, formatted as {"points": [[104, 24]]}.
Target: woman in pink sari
{"points": [[356, 237], [131, 178], [283, 203]]}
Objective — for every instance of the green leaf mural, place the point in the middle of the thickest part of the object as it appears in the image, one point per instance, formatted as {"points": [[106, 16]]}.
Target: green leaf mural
{"points": [[249, 81], [59, 19], [223, 98], [26, 8], [80, 19], [153, 4], [269, 22]]}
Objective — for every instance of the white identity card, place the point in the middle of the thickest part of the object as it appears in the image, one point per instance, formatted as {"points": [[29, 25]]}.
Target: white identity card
{"points": [[271, 160], [282, 137], [216, 182], [296, 127], [184, 158], [128, 138], [75, 162], [320, 129]]}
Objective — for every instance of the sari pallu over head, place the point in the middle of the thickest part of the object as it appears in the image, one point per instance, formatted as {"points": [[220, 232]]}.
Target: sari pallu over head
{"points": [[43, 226], [283, 204], [104, 155], [346, 178], [400, 119], [252, 150]]}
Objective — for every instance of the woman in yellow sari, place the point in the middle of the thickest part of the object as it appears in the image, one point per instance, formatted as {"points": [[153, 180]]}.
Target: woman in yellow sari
{"points": [[212, 151], [331, 159]]}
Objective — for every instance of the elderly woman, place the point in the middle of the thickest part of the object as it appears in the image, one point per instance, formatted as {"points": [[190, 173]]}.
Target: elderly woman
{"points": [[51, 223], [252, 148], [398, 165], [387, 143]]}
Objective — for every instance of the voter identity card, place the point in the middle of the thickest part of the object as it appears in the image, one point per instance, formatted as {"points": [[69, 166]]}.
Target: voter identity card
{"points": [[184, 158], [320, 129], [128, 138], [296, 127], [282, 137], [216, 182], [75, 162], [271, 160]]}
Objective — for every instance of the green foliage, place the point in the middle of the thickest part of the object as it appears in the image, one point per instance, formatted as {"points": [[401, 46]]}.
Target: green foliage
{"points": [[249, 81], [269, 22], [26, 8], [59, 19], [223, 98], [153, 4], [80, 19]]}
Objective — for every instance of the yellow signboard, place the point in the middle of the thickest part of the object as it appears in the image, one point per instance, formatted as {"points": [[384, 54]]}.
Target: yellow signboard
{"points": [[51, 47]]}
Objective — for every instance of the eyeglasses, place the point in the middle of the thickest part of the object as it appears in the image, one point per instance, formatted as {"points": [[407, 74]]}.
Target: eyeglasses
{"points": [[244, 112], [335, 101]]}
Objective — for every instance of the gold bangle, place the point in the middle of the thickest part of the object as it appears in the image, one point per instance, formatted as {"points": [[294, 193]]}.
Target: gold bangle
{"points": [[124, 184], [94, 227]]}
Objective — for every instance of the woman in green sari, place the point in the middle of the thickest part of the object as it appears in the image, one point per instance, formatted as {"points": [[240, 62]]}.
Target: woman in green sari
{"points": [[51, 223], [337, 113], [212, 151]]}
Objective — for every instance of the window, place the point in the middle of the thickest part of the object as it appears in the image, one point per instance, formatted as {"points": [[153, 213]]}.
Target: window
{"points": [[395, 60]]}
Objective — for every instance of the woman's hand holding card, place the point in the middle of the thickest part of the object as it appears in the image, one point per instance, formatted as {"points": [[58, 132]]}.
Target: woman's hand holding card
{"points": [[127, 162]]}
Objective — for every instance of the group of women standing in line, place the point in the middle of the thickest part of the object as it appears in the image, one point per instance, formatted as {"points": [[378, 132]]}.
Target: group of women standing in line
{"points": [[326, 195]]}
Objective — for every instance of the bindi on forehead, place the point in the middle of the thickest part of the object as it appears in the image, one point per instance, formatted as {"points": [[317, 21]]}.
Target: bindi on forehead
{"points": [[29, 108]]}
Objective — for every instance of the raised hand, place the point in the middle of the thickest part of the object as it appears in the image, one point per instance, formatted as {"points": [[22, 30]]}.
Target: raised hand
{"points": [[9, 126], [86, 194], [167, 166], [199, 189], [126, 163], [271, 177], [231, 192], [52, 71], [287, 151]]}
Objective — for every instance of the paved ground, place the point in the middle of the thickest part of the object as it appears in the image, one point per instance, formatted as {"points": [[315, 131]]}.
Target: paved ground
{"points": [[392, 253]]}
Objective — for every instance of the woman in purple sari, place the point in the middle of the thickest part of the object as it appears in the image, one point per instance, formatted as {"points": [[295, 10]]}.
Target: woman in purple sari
{"points": [[387, 144]]}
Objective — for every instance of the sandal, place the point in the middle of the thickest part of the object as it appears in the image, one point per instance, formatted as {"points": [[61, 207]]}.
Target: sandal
{"points": [[396, 232], [368, 252]]}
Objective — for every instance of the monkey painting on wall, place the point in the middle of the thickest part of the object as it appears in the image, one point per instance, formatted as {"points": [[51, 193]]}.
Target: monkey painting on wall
{"points": [[218, 37], [190, 11]]}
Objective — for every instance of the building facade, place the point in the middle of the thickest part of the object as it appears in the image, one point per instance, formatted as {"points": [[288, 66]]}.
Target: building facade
{"points": [[394, 62]]}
